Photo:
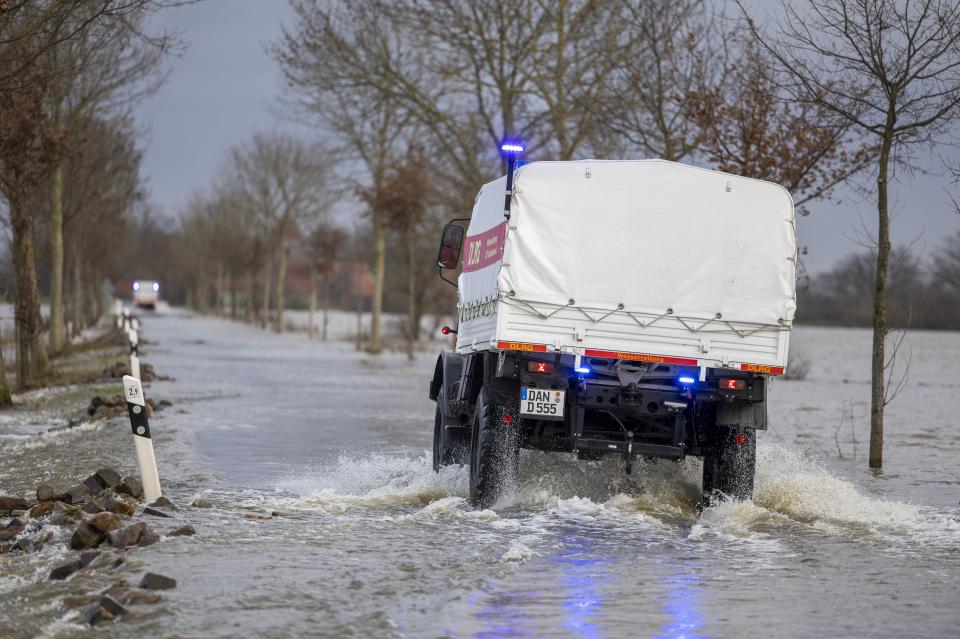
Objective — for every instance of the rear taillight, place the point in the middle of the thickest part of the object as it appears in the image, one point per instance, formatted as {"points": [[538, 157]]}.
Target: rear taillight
{"points": [[534, 366], [732, 384]]}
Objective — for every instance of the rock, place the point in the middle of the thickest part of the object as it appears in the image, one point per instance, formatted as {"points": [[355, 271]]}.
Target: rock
{"points": [[63, 514], [92, 506], [164, 404], [163, 502], [153, 511], [75, 494], [94, 614], [87, 557], [46, 492], [199, 502], [125, 537], [119, 505], [65, 570], [12, 503], [119, 369], [105, 522], [11, 530], [184, 531], [153, 581], [112, 606], [131, 486], [137, 597], [86, 536], [95, 404], [148, 538], [107, 477], [42, 509]]}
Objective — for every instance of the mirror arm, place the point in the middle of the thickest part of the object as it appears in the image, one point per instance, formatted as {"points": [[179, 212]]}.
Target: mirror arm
{"points": [[452, 283]]}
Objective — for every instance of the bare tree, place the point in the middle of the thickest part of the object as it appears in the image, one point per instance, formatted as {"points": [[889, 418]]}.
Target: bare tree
{"points": [[287, 182], [321, 59], [107, 65], [403, 199], [667, 52], [326, 246], [892, 70], [746, 125]]}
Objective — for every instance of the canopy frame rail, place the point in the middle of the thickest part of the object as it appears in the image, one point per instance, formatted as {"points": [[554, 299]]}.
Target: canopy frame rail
{"points": [[645, 320]]}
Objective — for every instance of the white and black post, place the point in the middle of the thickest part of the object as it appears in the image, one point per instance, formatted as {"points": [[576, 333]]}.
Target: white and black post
{"points": [[134, 352], [137, 408]]}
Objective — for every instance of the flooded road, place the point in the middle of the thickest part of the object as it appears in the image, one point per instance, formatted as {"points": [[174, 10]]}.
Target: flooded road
{"points": [[328, 520]]}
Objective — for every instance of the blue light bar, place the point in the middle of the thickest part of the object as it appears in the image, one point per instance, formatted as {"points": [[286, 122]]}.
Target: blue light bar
{"points": [[686, 380], [582, 369], [510, 147]]}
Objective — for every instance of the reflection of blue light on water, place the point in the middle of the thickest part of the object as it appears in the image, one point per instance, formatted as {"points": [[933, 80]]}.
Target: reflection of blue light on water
{"points": [[682, 606], [582, 577]]}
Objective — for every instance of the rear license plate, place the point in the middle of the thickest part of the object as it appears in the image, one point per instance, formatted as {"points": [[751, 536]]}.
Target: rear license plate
{"points": [[541, 403]]}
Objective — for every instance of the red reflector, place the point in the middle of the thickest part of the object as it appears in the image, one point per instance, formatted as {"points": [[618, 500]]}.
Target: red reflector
{"points": [[741, 439], [445, 330], [539, 367], [508, 419], [733, 384]]}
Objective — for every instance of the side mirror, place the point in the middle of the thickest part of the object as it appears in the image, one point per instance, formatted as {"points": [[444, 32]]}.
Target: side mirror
{"points": [[450, 245]]}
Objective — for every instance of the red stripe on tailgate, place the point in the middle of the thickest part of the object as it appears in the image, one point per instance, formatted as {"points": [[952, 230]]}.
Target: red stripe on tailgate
{"points": [[642, 357]]}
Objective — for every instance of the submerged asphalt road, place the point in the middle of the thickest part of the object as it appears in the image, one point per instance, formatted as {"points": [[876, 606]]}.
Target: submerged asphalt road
{"points": [[329, 522]]}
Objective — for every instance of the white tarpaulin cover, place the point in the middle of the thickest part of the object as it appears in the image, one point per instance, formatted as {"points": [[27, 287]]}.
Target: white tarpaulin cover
{"points": [[649, 234]]}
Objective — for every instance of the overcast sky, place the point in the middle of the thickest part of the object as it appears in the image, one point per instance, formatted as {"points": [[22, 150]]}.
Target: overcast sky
{"points": [[225, 88]]}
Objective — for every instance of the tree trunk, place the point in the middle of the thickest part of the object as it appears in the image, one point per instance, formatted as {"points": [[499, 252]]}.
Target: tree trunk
{"points": [[219, 292], [379, 263], [233, 296], [251, 297], [31, 351], [326, 305], [281, 288], [57, 323], [5, 399], [411, 292], [267, 281], [877, 396], [359, 301], [77, 293], [313, 303]]}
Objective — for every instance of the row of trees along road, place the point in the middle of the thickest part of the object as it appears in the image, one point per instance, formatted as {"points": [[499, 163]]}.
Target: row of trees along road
{"points": [[70, 70], [812, 94]]}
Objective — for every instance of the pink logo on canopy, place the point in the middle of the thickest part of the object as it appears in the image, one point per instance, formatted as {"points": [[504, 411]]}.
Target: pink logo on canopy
{"points": [[485, 248]]}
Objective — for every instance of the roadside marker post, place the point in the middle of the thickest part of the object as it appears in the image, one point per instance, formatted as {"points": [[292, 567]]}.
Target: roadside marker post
{"points": [[134, 352], [137, 409]]}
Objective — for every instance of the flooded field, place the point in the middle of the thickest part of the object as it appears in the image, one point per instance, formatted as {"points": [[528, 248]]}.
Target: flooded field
{"points": [[328, 520]]}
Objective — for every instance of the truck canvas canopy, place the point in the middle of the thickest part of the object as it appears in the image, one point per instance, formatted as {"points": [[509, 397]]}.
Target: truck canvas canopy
{"points": [[643, 256]]}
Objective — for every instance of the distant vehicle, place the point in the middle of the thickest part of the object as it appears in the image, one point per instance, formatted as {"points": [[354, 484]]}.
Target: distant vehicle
{"points": [[616, 308], [146, 294]]}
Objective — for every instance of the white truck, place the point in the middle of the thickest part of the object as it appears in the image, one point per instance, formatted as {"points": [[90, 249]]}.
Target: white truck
{"points": [[146, 294], [616, 307]]}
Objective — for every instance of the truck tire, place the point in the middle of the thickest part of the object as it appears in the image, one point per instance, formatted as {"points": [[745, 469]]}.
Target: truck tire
{"points": [[447, 449], [729, 468], [494, 449]]}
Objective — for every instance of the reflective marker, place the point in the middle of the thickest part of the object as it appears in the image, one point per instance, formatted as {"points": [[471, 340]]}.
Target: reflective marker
{"points": [[137, 409]]}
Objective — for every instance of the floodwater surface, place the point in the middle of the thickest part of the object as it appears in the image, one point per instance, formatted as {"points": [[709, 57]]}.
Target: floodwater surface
{"points": [[329, 521]]}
